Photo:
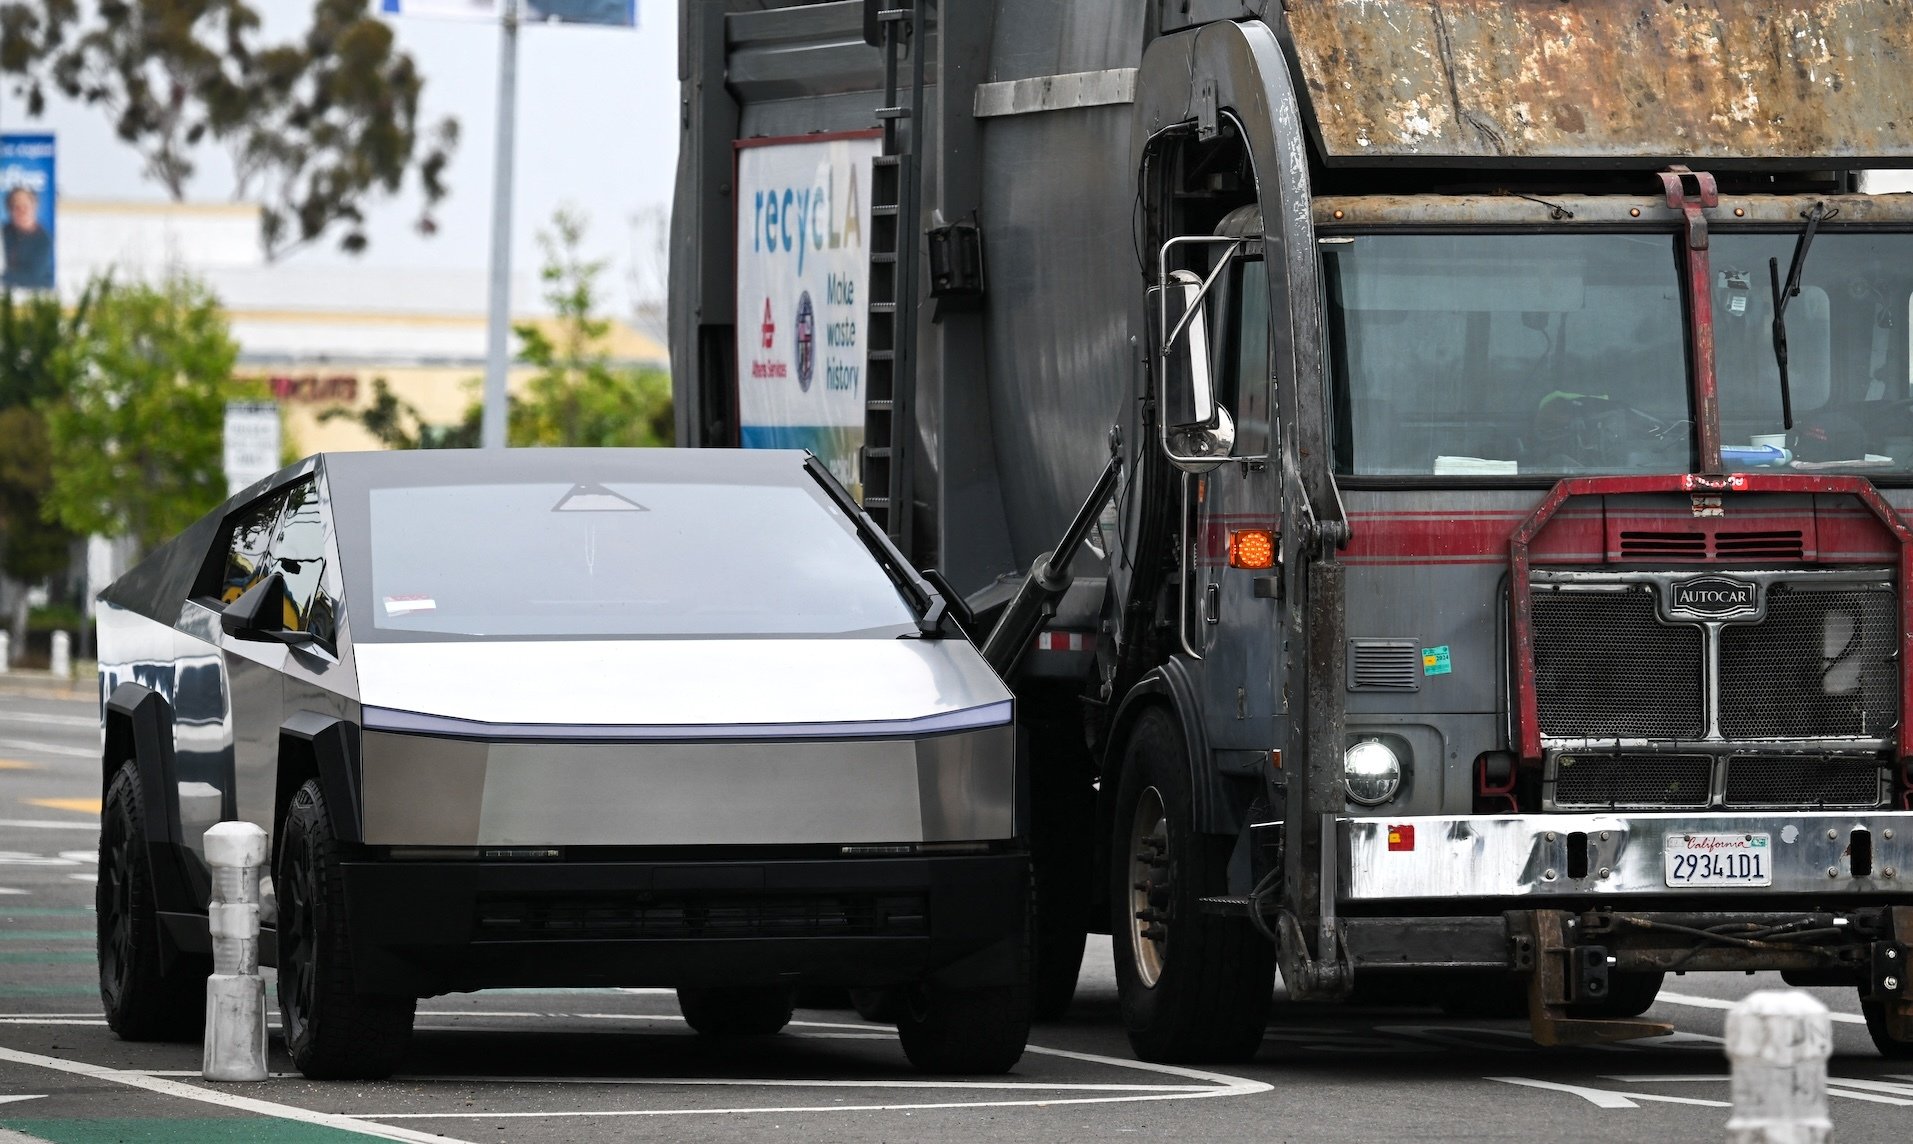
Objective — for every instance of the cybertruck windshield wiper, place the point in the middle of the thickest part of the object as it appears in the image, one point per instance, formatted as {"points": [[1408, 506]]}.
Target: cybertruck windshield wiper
{"points": [[1818, 214]]}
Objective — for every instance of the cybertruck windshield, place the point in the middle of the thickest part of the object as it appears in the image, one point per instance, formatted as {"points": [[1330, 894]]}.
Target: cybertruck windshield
{"points": [[1507, 355]]}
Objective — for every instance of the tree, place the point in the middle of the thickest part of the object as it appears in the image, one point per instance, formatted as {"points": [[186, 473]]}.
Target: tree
{"points": [[317, 126], [578, 397], [36, 366], [397, 424], [138, 441]]}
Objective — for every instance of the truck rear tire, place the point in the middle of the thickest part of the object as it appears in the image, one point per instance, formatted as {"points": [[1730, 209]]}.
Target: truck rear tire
{"points": [[333, 1031], [754, 1011], [1193, 986], [975, 1032], [1890, 1047], [142, 1001]]}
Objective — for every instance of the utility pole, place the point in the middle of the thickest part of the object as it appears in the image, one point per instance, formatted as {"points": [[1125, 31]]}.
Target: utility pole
{"points": [[498, 326]]}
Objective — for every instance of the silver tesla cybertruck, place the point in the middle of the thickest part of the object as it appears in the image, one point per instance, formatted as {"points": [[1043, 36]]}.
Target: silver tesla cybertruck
{"points": [[560, 718]]}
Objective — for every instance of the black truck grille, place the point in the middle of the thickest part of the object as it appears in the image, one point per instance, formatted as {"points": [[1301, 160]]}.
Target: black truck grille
{"points": [[699, 916], [1605, 667], [1822, 663], [1597, 782], [1837, 783]]}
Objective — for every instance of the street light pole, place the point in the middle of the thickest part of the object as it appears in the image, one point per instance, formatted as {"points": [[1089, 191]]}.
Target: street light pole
{"points": [[498, 327]]}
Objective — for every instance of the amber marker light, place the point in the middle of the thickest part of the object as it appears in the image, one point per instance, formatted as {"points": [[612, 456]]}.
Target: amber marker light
{"points": [[1251, 548]]}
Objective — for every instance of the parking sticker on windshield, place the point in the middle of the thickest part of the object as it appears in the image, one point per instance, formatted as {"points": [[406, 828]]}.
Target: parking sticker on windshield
{"points": [[406, 605], [1434, 660]]}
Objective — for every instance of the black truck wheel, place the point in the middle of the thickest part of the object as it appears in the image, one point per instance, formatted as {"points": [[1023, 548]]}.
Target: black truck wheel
{"points": [[965, 1031], [142, 1001], [1193, 986], [1890, 1047], [333, 1031], [736, 1012]]}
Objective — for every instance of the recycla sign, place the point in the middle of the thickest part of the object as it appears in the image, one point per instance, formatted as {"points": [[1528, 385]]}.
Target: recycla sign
{"points": [[803, 266]]}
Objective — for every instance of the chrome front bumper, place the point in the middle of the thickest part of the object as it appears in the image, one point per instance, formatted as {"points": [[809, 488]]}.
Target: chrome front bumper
{"points": [[1539, 855]]}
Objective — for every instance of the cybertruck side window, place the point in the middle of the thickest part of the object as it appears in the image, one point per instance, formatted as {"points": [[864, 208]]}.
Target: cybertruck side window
{"points": [[248, 533]]}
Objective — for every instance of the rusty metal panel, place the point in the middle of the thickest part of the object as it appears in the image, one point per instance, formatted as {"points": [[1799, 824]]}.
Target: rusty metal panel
{"points": [[1827, 82]]}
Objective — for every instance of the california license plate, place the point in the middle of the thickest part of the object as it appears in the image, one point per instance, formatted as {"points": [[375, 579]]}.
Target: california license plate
{"points": [[1719, 860]]}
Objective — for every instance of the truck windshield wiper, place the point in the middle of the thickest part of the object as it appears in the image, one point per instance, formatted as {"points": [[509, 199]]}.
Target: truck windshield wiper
{"points": [[1818, 214]]}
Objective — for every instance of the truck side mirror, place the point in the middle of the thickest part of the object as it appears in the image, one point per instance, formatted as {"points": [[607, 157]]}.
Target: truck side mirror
{"points": [[259, 615], [1198, 434]]}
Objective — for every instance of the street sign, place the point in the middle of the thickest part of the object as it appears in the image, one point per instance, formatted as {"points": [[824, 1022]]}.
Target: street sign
{"points": [[252, 443]]}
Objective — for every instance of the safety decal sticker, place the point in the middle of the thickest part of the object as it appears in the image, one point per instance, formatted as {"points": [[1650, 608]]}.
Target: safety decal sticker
{"points": [[1434, 660]]}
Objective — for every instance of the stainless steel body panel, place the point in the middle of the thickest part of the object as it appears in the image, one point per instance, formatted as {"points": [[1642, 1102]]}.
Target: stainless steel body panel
{"points": [[421, 791], [1515, 856]]}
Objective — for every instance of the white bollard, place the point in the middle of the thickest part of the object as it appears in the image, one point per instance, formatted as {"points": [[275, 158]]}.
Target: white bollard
{"points": [[235, 993], [6, 652], [62, 655], [1778, 1041]]}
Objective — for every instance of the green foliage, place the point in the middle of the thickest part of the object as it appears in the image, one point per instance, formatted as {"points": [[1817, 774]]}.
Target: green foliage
{"points": [[36, 366], [316, 126], [578, 397], [138, 440], [396, 423]]}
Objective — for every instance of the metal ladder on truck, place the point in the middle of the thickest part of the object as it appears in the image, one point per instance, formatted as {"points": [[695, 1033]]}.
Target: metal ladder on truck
{"points": [[896, 27]]}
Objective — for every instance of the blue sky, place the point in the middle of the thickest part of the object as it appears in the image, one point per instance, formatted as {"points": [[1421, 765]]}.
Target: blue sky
{"points": [[597, 129]]}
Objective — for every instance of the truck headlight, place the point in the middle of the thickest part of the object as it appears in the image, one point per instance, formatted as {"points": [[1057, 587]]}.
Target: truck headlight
{"points": [[1372, 772]]}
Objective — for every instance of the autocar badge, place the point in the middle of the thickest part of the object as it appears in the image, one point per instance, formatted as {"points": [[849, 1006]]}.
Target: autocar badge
{"points": [[1714, 597]]}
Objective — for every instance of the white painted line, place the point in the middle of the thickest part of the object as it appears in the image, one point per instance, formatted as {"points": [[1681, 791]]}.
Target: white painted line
{"points": [[1873, 1086], [15, 1099], [1695, 1002], [90, 722], [224, 1099], [53, 1021], [1866, 1088], [23, 858], [1213, 1084], [27, 746], [92, 856], [11, 890], [49, 824], [754, 1082], [1601, 1098], [84, 877]]}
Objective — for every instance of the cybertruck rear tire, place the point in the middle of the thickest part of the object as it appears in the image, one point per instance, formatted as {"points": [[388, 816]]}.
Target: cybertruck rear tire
{"points": [[143, 1002], [736, 1012], [1193, 986], [333, 1030]]}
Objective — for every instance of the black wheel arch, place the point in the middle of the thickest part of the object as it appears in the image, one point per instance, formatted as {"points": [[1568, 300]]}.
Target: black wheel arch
{"points": [[1216, 807], [315, 745]]}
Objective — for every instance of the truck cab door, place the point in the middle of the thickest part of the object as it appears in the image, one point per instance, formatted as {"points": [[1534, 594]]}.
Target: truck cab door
{"points": [[1231, 615]]}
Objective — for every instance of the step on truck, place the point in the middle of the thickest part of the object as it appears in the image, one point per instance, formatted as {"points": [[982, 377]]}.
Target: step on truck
{"points": [[1436, 475]]}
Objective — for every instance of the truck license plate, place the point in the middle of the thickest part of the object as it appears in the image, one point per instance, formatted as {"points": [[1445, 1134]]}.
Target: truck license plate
{"points": [[1719, 860]]}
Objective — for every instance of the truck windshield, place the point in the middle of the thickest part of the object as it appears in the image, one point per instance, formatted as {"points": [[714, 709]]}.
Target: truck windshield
{"points": [[1483, 355], [1847, 337]]}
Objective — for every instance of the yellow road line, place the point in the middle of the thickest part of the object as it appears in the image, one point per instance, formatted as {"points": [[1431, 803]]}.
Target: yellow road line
{"points": [[77, 805], [17, 765]]}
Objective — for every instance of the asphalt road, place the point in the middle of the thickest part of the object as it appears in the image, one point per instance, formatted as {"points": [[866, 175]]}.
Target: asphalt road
{"points": [[601, 1065]]}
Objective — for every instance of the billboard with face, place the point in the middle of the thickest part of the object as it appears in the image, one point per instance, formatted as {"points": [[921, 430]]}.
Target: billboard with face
{"points": [[27, 181]]}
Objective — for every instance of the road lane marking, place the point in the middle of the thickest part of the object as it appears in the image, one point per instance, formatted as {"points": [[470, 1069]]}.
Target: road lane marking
{"points": [[33, 747], [17, 765], [23, 858], [1870, 1091], [753, 1082], [48, 824], [94, 878], [11, 890], [1602, 1098], [76, 805], [1697, 1002], [90, 722], [16, 1099], [183, 1091]]}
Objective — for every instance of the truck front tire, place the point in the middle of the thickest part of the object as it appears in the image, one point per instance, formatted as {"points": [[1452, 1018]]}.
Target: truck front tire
{"points": [[1194, 986], [142, 1001], [333, 1031]]}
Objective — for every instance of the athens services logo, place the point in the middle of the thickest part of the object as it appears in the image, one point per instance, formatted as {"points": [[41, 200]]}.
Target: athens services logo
{"points": [[1715, 596]]}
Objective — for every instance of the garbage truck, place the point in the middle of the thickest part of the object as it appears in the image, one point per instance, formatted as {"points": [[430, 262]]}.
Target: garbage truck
{"points": [[1435, 473]]}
